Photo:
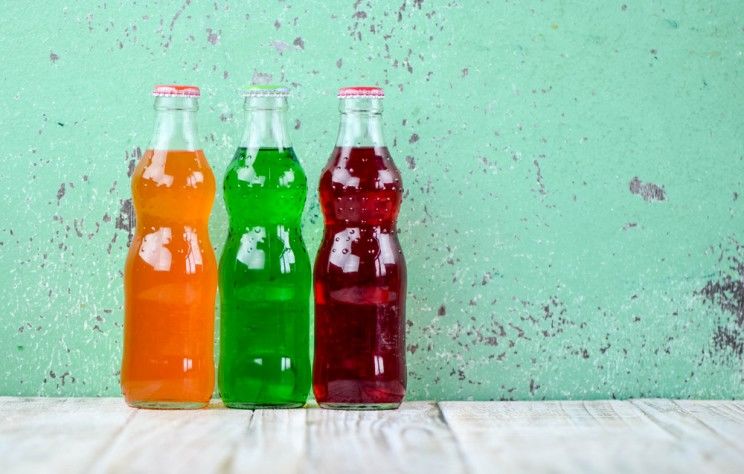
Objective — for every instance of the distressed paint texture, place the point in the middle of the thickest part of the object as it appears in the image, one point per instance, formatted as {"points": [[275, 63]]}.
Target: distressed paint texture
{"points": [[573, 216]]}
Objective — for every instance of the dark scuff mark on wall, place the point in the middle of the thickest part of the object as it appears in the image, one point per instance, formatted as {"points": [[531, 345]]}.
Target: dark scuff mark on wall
{"points": [[280, 46], [125, 220], [132, 158], [213, 37], [60, 192], [727, 293], [539, 177], [648, 191], [53, 57]]}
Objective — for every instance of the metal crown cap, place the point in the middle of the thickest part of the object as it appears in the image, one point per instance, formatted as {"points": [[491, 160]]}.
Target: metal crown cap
{"points": [[361, 92], [175, 90]]}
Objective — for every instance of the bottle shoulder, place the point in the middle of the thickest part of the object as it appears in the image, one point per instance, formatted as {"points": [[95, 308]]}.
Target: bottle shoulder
{"points": [[269, 168], [361, 169]]}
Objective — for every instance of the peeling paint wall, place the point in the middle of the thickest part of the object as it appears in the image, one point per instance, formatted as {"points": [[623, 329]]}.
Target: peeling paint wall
{"points": [[573, 216]]}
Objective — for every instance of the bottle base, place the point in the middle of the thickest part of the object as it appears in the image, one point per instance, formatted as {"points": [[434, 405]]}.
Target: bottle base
{"points": [[359, 406], [262, 406], [167, 405]]}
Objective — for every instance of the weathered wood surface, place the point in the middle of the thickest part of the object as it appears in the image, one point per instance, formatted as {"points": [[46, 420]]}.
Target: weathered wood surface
{"points": [[104, 435]]}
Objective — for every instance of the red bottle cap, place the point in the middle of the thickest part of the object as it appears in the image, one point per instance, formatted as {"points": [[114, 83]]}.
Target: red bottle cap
{"points": [[175, 90], [359, 92]]}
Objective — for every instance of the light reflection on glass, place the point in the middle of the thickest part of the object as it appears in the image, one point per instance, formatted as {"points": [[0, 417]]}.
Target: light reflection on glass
{"points": [[155, 170], [341, 255], [194, 178], [386, 254], [288, 257], [248, 173], [194, 255], [379, 365], [342, 176], [154, 251], [248, 252], [287, 178]]}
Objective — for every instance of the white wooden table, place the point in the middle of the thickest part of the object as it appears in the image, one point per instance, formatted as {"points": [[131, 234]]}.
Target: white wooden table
{"points": [[104, 435]]}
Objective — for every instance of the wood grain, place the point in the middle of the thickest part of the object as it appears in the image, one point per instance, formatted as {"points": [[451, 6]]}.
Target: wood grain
{"points": [[412, 439], [57, 434], [104, 435], [599, 436]]}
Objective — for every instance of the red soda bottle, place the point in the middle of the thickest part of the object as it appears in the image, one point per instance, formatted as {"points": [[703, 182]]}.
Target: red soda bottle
{"points": [[360, 273]]}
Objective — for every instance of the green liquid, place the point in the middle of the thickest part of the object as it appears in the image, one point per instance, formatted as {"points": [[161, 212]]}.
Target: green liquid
{"points": [[264, 281]]}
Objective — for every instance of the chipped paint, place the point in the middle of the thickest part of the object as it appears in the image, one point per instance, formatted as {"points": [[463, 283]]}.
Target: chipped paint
{"points": [[572, 215], [648, 191]]}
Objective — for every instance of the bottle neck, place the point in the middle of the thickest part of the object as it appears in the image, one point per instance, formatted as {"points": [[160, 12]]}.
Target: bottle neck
{"points": [[266, 123], [175, 124], [361, 123]]}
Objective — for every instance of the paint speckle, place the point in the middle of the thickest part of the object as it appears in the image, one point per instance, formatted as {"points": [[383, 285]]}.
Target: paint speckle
{"points": [[442, 311], [414, 138], [299, 42], [125, 219], [539, 177], [279, 46], [60, 192], [53, 57], [648, 191], [297, 124], [630, 225], [339, 63], [213, 37], [411, 161], [465, 72], [727, 293]]}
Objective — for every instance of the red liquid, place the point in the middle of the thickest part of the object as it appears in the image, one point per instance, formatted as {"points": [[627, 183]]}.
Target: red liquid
{"points": [[360, 283]]}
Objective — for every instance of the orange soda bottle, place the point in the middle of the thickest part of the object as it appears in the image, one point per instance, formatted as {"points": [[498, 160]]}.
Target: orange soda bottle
{"points": [[170, 276]]}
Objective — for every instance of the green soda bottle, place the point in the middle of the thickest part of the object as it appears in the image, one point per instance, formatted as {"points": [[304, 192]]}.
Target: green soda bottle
{"points": [[264, 271]]}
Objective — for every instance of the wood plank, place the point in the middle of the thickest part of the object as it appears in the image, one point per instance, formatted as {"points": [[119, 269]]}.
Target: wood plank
{"points": [[412, 439], [274, 442], [40, 435], [104, 435], [697, 440], [602, 436], [176, 441], [726, 418]]}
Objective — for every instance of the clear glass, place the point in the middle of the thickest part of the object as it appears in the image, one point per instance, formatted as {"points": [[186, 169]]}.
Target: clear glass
{"points": [[265, 268], [170, 275], [360, 271]]}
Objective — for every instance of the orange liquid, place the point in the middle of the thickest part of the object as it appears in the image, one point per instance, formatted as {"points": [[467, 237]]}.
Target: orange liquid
{"points": [[170, 281]]}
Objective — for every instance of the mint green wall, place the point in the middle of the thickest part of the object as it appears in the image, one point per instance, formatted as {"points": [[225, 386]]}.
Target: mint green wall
{"points": [[575, 210]]}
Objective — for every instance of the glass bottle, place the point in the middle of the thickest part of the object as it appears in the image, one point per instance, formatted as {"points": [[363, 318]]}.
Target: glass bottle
{"points": [[265, 268], [360, 272], [170, 275]]}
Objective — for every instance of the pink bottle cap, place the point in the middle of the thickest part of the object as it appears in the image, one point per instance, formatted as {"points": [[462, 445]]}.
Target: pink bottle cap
{"points": [[175, 90], [360, 92]]}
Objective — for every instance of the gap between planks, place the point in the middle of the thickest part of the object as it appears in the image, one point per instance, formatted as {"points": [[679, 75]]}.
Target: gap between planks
{"points": [[104, 435]]}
